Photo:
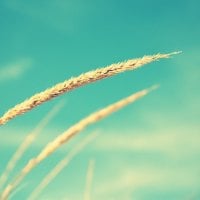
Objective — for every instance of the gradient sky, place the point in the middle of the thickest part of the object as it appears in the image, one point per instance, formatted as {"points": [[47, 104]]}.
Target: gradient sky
{"points": [[150, 149]]}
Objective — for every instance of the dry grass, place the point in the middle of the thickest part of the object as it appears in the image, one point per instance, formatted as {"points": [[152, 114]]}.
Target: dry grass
{"points": [[29, 139], [60, 166], [89, 179], [76, 82], [75, 129], [67, 135]]}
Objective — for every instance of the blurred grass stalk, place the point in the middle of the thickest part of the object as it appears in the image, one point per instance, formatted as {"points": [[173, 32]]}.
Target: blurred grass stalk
{"points": [[72, 131], [29, 139], [60, 166], [89, 180]]}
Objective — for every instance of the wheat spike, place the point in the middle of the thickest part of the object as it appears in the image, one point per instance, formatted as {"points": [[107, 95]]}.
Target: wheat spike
{"points": [[76, 82]]}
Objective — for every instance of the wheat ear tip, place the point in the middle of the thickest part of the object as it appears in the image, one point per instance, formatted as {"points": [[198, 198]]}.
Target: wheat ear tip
{"points": [[153, 87], [173, 53]]}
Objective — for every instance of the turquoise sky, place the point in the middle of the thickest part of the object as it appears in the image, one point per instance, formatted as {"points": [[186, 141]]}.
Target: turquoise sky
{"points": [[150, 149]]}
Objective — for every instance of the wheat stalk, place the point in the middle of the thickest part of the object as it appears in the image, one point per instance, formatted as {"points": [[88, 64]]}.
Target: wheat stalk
{"points": [[72, 131], [76, 82], [60, 166]]}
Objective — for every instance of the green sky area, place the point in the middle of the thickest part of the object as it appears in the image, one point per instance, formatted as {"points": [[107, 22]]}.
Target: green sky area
{"points": [[149, 150]]}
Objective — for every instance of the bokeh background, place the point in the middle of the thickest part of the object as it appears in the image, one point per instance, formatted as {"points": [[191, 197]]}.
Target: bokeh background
{"points": [[150, 149]]}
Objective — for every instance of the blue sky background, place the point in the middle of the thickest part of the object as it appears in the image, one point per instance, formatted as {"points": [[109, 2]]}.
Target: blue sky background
{"points": [[148, 150]]}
